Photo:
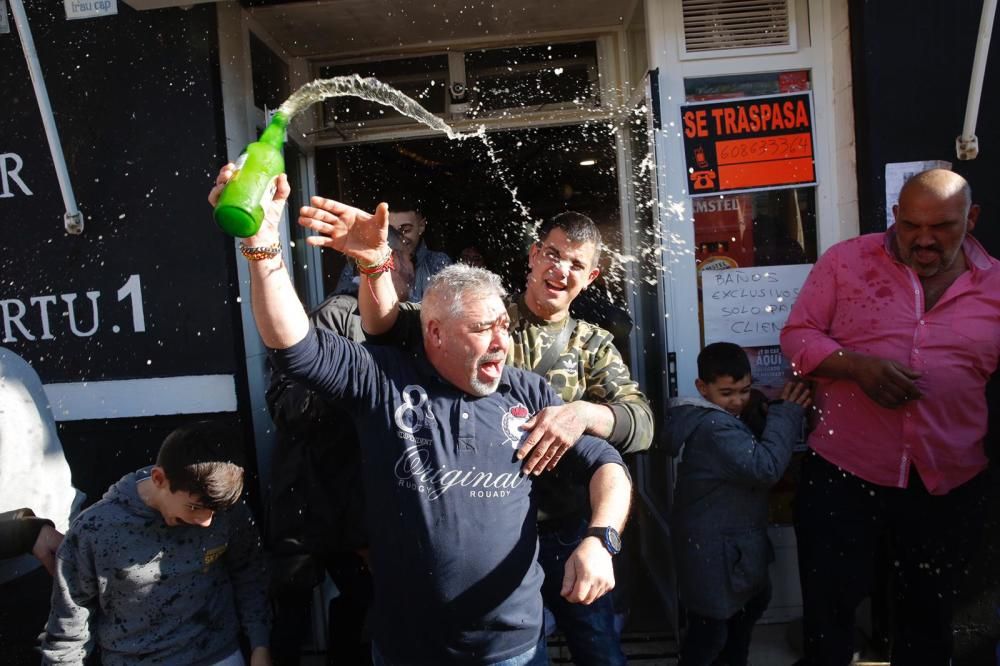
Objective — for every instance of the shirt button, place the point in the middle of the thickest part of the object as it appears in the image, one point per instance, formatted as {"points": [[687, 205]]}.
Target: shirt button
{"points": [[465, 415], [922, 322]]}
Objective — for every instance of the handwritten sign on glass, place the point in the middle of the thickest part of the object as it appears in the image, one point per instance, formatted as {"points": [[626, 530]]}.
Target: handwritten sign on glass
{"points": [[749, 306]]}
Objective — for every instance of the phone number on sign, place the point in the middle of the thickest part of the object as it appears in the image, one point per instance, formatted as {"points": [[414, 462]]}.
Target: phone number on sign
{"points": [[764, 149]]}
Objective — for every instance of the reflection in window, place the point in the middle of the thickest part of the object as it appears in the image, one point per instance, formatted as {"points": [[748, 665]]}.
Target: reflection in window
{"points": [[746, 85], [767, 228]]}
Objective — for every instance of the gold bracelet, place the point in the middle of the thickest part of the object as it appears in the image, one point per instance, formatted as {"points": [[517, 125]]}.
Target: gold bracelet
{"points": [[261, 252]]}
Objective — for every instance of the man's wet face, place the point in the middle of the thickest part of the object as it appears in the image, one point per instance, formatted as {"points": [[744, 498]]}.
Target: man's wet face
{"points": [[410, 225], [930, 230], [478, 339], [560, 269]]}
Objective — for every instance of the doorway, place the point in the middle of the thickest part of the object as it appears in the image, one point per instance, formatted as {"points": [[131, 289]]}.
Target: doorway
{"points": [[471, 199]]}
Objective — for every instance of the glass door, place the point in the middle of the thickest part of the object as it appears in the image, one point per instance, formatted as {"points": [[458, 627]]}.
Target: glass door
{"points": [[652, 366]]}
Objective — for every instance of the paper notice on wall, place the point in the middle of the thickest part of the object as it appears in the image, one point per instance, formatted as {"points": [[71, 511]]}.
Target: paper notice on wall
{"points": [[4, 24], [749, 306], [82, 9], [897, 173]]}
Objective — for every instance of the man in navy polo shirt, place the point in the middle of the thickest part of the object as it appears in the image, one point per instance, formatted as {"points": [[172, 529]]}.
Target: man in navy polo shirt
{"points": [[451, 514]]}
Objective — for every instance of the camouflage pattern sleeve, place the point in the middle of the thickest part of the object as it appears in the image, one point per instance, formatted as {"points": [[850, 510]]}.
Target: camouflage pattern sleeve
{"points": [[607, 381], [589, 368]]}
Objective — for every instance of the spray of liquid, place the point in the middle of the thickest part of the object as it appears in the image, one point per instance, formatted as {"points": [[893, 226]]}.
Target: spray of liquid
{"points": [[373, 90]]}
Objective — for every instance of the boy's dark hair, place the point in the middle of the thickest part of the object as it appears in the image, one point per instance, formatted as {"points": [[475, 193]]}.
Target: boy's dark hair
{"points": [[578, 228], [198, 459], [722, 359]]}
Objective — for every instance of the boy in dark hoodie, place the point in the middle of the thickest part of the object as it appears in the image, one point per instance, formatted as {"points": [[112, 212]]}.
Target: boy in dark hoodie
{"points": [[719, 517], [166, 568]]}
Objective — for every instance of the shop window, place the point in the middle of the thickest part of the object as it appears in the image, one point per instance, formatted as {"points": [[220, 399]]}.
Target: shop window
{"points": [[424, 79], [531, 77], [763, 229]]}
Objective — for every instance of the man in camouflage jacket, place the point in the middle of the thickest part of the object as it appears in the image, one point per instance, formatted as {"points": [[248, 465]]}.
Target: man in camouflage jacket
{"points": [[583, 367]]}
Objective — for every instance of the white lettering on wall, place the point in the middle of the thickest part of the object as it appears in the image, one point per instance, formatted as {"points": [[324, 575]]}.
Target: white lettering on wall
{"points": [[70, 300], [21, 324], [133, 289], [10, 167], [14, 319]]}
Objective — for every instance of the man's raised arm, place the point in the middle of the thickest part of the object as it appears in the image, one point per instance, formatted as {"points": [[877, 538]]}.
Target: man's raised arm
{"points": [[281, 320], [363, 237]]}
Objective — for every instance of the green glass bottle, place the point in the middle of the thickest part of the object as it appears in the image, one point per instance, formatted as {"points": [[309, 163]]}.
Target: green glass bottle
{"points": [[240, 208]]}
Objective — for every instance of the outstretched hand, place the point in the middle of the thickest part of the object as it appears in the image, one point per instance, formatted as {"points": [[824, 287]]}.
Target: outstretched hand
{"points": [[351, 231]]}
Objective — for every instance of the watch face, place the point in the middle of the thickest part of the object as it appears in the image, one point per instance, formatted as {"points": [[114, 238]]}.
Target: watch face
{"points": [[613, 540]]}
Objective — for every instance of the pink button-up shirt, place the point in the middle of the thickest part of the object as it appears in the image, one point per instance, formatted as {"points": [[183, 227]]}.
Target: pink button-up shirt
{"points": [[858, 297]]}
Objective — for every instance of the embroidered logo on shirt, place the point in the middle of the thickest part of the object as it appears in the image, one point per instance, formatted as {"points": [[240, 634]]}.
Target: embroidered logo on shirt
{"points": [[411, 416], [416, 470], [211, 555], [511, 423]]}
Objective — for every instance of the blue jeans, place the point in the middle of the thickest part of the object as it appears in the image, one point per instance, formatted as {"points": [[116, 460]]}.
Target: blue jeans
{"points": [[536, 656], [590, 630]]}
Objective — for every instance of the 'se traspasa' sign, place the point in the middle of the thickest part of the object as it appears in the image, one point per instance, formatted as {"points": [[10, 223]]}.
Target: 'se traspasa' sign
{"points": [[749, 143]]}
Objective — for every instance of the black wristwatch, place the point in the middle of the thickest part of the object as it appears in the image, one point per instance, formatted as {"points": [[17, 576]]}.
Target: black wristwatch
{"points": [[609, 537]]}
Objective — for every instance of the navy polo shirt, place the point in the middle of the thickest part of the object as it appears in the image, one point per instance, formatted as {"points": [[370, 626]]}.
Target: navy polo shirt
{"points": [[450, 515]]}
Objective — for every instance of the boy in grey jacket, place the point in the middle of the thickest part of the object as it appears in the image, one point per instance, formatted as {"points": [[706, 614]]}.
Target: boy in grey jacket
{"points": [[166, 568], [719, 518]]}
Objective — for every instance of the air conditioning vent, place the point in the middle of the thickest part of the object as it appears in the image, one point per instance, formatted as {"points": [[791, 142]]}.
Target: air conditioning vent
{"points": [[721, 28]]}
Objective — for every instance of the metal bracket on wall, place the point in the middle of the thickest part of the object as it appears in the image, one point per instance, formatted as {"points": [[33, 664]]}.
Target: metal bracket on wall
{"points": [[73, 218]]}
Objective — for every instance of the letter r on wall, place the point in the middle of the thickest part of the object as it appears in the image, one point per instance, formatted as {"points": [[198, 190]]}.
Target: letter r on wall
{"points": [[7, 174]]}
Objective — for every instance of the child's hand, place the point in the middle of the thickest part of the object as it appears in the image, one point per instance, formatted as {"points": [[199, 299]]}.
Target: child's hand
{"points": [[797, 392]]}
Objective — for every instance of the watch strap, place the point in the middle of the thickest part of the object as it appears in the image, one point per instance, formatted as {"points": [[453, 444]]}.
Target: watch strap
{"points": [[605, 535]]}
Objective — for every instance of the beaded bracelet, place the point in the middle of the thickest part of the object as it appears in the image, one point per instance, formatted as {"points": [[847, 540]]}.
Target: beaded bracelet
{"points": [[261, 252], [383, 266]]}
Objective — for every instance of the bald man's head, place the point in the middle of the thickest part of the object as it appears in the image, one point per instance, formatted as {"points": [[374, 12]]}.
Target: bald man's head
{"points": [[938, 183], [934, 214]]}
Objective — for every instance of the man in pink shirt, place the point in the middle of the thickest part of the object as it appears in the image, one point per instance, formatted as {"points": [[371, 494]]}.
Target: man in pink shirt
{"points": [[901, 330]]}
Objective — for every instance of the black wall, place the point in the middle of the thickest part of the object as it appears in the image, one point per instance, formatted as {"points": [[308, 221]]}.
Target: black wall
{"points": [[137, 100], [912, 66], [912, 62]]}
